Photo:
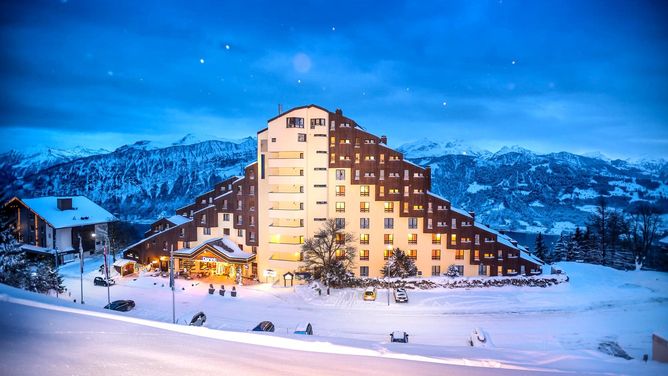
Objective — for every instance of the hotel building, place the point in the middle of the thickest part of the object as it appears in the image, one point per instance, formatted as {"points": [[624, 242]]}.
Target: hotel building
{"points": [[313, 164]]}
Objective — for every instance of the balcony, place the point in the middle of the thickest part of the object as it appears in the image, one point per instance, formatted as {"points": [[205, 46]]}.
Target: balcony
{"points": [[287, 223], [286, 239], [286, 171]]}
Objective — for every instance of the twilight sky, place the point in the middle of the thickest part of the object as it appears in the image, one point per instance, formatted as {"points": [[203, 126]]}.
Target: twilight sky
{"points": [[579, 76]]}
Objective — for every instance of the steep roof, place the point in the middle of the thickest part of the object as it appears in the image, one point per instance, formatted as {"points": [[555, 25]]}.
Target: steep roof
{"points": [[224, 247], [178, 219], [84, 211]]}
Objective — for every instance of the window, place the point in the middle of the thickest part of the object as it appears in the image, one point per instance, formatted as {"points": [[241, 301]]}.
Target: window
{"points": [[476, 255], [405, 174], [388, 239], [394, 191], [203, 218], [387, 253], [364, 238], [499, 270], [389, 207], [364, 190], [435, 270], [412, 238], [340, 174], [405, 207], [406, 191], [301, 137], [226, 217], [459, 254], [357, 174], [340, 207], [454, 223], [332, 140], [477, 239], [465, 240], [295, 122], [357, 157], [340, 190], [418, 207], [381, 191], [412, 254], [412, 222], [364, 271], [500, 254], [240, 233], [182, 232], [318, 121], [435, 238], [435, 254], [340, 223], [453, 239], [340, 239], [206, 230], [226, 231], [382, 175], [430, 224], [460, 269], [364, 207], [364, 255], [488, 255], [482, 269], [364, 223], [382, 158], [388, 223]]}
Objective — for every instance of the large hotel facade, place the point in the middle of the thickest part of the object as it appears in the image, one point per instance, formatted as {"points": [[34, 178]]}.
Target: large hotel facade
{"points": [[312, 165]]}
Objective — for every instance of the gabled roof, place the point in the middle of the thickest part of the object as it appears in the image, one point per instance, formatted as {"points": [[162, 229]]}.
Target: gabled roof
{"points": [[223, 247], [178, 219], [84, 211], [295, 109], [533, 259]]}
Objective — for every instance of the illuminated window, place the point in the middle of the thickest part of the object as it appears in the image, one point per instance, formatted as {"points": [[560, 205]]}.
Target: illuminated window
{"points": [[388, 239], [340, 254], [340, 239], [364, 255], [340, 207], [412, 254], [418, 207], [435, 238], [412, 238], [381, 191], [340, 190], [364, 207], [459, 254], [364, 238], [405, 207], [435, 254], [364, 190], [453, 239], [476, 255], [389, 207], [387, 254]]}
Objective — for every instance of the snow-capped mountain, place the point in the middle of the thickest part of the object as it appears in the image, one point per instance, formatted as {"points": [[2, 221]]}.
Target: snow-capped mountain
{"points": [[517, 189], [137, 181], [513, 188]]}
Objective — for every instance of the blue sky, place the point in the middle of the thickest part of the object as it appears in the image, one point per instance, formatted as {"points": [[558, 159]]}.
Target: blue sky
{"points": [[579, 76]]}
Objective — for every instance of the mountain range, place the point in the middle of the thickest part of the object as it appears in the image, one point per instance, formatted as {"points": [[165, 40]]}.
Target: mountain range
{"points": [[512, 189]]}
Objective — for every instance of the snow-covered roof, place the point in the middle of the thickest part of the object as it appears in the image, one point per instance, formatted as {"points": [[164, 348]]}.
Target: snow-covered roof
{"points": [[84, 211], [224, 246], [411, 163], [501, 238], [34, 248], [437, 196], [526, 256], [460, 211], [178, 219], [122, 262]]}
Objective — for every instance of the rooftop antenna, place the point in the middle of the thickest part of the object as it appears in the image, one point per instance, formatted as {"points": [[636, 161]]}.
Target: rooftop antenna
{"points": [[280, 109]]}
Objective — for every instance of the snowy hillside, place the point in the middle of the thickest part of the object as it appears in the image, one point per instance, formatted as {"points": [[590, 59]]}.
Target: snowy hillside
{"points": [[513, 188]]}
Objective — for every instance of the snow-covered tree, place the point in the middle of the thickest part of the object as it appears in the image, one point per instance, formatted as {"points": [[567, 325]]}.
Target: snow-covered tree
{"points": [[399, 265], [561, 248], [452, 271], [329, 254], [540, 249]]}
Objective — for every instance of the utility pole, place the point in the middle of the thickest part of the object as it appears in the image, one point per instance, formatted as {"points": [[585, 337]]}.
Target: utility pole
{"points": [[106, 272]]}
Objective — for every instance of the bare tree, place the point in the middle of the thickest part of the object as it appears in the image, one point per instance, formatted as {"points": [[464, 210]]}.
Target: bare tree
{"points": [[644, 226], [329, 254]]}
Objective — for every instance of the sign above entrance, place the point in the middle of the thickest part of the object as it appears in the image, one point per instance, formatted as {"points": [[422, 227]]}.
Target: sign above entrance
{"points": [[209, 259], [270, 273]]}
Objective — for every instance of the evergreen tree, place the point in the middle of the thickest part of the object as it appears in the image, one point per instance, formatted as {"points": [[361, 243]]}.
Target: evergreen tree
{"points": [[540, 249], [399, 265], [452, 271], [561, 249], [578, 248]]}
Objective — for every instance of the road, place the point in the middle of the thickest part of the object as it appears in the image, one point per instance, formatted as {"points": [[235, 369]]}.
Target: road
{"points": [[38, 341]]}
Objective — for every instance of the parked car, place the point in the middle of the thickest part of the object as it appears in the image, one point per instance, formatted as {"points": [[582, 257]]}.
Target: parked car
{"points": [[399, 336], [370, 293], [264, 326], [121, 305], [99, 281], [304, 328], [198, 319], [400, 295]]}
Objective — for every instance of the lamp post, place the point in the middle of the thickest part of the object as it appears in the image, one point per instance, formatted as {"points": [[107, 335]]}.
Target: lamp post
{"points": [[81, 264], [106, 273], [171, 282]]}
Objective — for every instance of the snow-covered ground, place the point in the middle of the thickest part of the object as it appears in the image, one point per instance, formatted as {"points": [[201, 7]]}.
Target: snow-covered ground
{"points": [[554, 328]]}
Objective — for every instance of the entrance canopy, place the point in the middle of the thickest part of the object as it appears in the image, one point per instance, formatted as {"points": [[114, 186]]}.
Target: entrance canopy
{"points": [[222, 248]]}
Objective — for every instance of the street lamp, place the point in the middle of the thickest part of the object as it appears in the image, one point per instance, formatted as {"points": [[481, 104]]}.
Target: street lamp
{"points": [[81, 264], [106, 273], [171, 281]]}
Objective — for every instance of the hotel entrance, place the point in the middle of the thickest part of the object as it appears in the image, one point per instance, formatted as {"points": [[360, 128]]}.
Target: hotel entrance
{"points": [[214, 259]]}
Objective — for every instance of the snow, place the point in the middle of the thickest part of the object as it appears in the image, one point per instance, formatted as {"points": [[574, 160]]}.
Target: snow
{"points": [[84, 212], [460, 211], [537, 204], [475, 187], [224, 246], [554, 329], [178, 219]]}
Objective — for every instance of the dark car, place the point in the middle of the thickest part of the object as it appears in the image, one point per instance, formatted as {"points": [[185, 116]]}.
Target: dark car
{"points": [[121, 305], [99, 281], [264, 326], [399, 336], [198, 319]]}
